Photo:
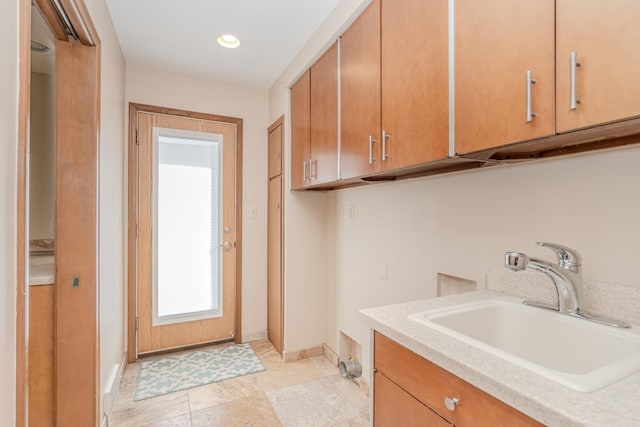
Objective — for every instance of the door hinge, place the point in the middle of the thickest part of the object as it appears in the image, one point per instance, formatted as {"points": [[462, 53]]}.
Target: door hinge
{"points": [[137, 324], [137, 137], [137, 230]]}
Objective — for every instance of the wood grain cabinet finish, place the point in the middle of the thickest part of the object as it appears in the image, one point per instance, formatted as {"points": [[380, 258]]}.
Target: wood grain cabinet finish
{"points": [[300, 131], [495, 47], [275, 152], [395, 407], [415, 82], [430, 385], [323, 160], [394, 87], [604, 36], [360, 106]]}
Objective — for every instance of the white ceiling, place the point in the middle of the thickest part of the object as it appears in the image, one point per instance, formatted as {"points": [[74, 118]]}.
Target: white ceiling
{"points": [[181, 35]]}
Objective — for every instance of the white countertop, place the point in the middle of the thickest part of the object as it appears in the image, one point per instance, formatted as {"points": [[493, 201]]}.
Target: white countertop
{"points": [[41, 270], [548, 402]]}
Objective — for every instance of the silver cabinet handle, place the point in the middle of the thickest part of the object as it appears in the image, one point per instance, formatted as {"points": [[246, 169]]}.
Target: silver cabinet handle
{"points": [[573, 103], [371, 141], [385, 135], [530, 82], [304, 168], [451, 403], [311, 164]]}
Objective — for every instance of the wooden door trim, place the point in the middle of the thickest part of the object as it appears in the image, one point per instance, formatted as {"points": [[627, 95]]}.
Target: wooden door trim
{"points": [[81, 16], [278, 122], [132, 300], [22, 302]]}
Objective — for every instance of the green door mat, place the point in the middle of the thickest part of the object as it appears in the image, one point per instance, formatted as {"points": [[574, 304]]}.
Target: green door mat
{"points": [[164, 376]]}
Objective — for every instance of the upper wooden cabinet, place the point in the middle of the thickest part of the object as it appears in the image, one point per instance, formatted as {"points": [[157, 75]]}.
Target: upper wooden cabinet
{"points": [[360, 95], [415, 82], [323, 163], [603, 36], [504, 72], [314, 124], [300, 131], [394, 87]]}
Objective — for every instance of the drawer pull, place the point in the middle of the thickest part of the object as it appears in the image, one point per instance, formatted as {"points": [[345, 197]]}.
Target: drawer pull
{"points": [[451, 403]]}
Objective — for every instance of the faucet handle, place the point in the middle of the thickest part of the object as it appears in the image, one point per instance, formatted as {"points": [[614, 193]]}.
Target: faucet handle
{"points": [[568, 258]]}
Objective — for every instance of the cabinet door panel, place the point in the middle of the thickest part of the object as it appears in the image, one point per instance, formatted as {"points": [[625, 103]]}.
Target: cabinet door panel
{"points": [[324, 118], [360, 93], [274, 265], [275, 151], [495, 46], [415, 83], [605, 37], [430, 384], [300, 131], [395, 407]]}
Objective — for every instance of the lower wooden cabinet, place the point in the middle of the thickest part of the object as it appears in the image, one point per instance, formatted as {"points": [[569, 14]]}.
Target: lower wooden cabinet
{"points": [[411, 386], [395, 407]]}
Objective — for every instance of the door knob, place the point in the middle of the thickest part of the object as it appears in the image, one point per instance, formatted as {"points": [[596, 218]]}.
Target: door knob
{"points": [[226, 246]]}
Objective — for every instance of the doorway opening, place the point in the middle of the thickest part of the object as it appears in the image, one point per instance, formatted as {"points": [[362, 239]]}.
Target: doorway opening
{"points": [[185, 229]]}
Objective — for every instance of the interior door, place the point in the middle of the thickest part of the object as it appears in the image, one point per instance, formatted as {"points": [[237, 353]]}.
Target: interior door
{"points": [[275, 288], [186, 231]]}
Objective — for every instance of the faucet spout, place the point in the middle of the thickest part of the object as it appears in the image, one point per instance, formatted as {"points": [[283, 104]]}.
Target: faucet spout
{"points": [[566, 282], [566, 275]]}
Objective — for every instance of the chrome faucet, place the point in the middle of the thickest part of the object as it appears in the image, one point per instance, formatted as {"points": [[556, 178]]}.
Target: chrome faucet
{"points": [[566, 276]]}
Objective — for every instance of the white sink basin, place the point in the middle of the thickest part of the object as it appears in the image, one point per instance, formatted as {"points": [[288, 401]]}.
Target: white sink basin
{"points": [[577, 353]]}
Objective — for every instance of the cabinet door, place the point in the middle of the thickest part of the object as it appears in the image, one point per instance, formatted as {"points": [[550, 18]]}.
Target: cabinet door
{"points": [[275, 150], [274, 264], [360, 95], [300, 131], [324, 118], [604, 36], [415, 83], [395, 407], [495, 47], [431, 384]]}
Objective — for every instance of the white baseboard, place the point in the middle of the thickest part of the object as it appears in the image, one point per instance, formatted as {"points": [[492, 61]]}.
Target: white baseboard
{"points": [[111, 390], [254, 336]]}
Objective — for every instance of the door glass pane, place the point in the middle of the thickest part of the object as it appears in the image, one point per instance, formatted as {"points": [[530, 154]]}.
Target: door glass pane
{"points": [[188, 224]]}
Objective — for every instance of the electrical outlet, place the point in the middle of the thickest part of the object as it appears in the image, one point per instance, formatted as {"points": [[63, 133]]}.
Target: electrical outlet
{"points": [[351, 213], [340, 213]]}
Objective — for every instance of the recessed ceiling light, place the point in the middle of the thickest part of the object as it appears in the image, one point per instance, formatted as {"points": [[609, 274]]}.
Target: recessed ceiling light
{"points": [[228, 41], [38, 46]]}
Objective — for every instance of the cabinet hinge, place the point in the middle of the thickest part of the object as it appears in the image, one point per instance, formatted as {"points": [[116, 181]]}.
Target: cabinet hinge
{"points": [[137, 324]]}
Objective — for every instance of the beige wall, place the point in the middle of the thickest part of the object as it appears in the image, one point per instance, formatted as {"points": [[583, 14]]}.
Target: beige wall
{"points": [[8, 170], [457, 224], [307, 245], [168, 89], [41, 158], [465, 222], [111, 196]]}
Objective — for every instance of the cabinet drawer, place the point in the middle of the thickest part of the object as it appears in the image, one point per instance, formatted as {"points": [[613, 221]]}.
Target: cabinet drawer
{"points": [[395, 407], [431, 384]]}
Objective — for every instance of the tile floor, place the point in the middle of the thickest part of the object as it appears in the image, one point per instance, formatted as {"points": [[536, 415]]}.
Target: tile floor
{"points": [[306, 393]]}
